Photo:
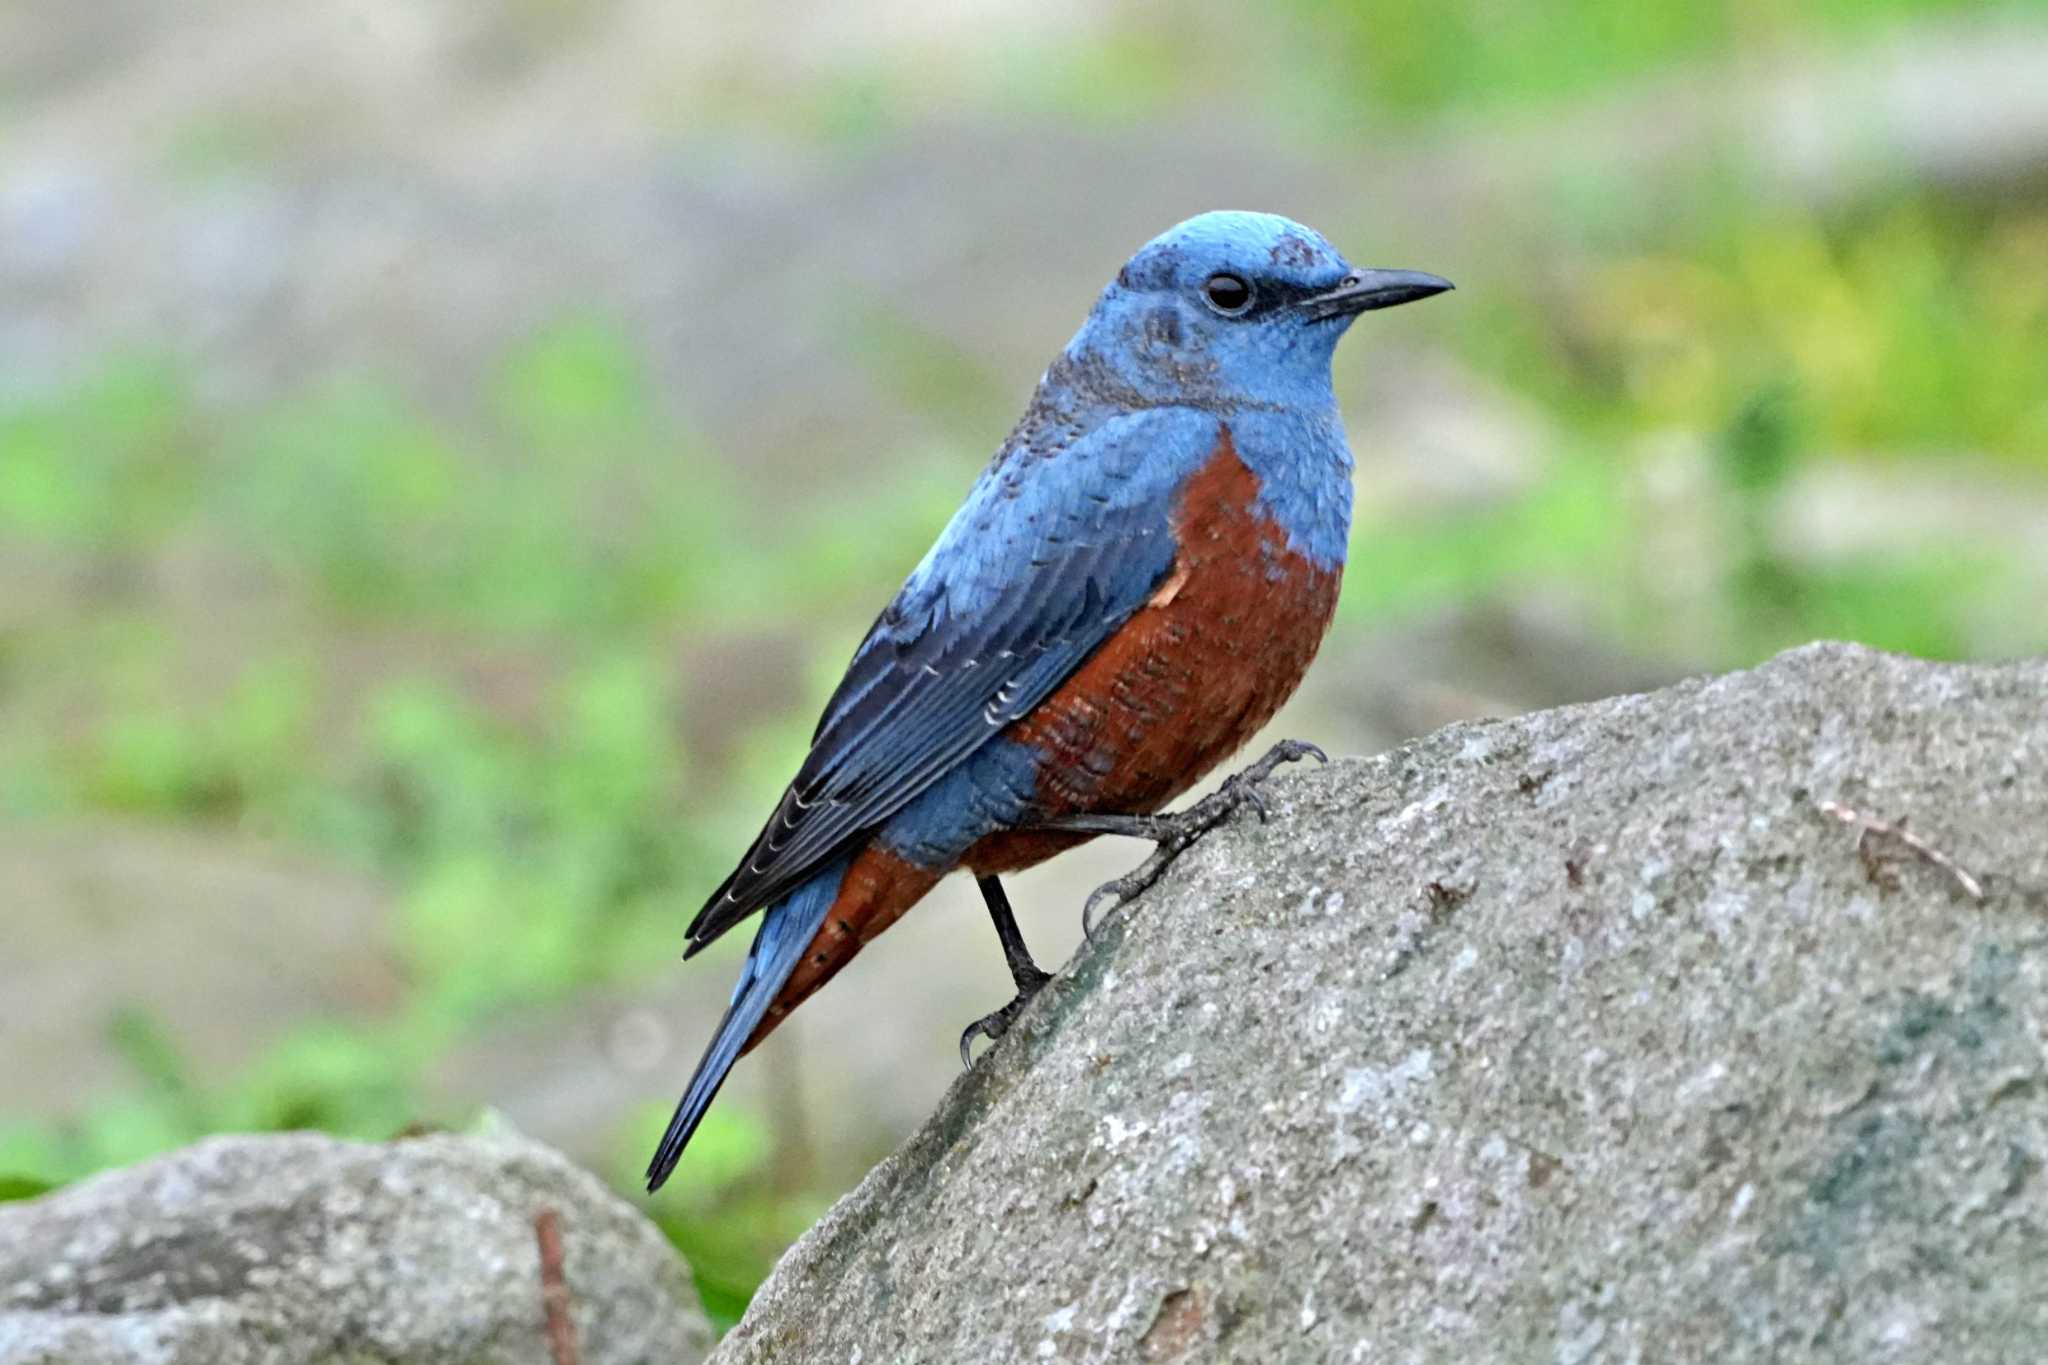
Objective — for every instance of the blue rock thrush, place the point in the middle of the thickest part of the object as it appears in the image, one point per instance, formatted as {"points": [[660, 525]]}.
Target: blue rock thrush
{"points": [[1136, 582]]}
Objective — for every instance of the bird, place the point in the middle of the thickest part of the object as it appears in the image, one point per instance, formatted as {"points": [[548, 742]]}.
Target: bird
{"points": [[1137, 580]]}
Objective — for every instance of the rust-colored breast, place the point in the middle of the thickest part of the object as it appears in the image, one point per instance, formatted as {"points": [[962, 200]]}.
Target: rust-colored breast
{"points": [[1224, 641], [1189, 679]]}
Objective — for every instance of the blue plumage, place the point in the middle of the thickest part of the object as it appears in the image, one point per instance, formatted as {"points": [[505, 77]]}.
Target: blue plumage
{"points": [[992, 789], [785, 929], [1029, 577], [1216, 335]]}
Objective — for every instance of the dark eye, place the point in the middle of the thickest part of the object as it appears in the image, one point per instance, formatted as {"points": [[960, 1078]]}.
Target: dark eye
{"points": [[1228, 294]]}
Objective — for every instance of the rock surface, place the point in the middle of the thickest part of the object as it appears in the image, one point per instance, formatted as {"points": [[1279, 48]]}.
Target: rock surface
{"points": [[1585, 1036], [304, 1250]]}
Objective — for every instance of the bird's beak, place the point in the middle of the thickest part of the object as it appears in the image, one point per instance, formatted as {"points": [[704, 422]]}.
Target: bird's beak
{"points": [[1364, 290]]}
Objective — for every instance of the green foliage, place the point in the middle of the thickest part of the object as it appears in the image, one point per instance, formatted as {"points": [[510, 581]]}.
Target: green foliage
{"points": [[1406, 58], [104, 468], [533, 864], [1912, 328], [1572, 525], [587, 515], [152, 758]]}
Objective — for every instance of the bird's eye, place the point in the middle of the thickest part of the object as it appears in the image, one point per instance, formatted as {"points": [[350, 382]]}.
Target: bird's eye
{"points": [[1230, 295]]}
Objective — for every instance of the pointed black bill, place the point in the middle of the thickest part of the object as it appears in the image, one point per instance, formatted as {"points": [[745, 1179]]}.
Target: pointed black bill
{"points": [[1365, 290]]}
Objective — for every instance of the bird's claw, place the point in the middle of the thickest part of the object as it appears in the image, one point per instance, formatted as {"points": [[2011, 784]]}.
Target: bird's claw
{"points": [[1123, 888], [989, 1026], [995, 1025], [1288, 751], [1175, 834]]}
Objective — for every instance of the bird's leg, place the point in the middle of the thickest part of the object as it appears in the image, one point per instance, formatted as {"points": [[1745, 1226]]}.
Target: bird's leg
{"points": [[1175, 834], [1030, 980]]}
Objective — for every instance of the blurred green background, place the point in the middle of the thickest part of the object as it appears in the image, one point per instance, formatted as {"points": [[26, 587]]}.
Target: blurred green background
{"points": [[448, 451]]}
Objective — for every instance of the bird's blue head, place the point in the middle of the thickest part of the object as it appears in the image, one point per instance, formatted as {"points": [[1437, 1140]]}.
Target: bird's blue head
{"points": [[1229, 308]]}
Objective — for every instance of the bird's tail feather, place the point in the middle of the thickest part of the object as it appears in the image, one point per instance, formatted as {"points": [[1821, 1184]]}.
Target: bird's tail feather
{"points": [[786, 930]]}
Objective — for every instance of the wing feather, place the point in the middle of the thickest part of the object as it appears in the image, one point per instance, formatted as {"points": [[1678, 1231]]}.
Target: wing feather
{"points": [[1038, 568]]}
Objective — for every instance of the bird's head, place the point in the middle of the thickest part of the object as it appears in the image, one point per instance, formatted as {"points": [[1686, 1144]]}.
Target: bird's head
{"points": [[1235, 307]]}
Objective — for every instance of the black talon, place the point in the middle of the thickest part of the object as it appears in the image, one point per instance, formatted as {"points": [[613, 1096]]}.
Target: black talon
{"points": [[1123, 888], [1023, 971], [1175, 834], [994, 1026]]}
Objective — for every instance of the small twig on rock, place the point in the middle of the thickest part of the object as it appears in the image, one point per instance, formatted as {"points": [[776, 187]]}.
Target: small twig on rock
{"points": [[1867, 825], [554, 1289]]}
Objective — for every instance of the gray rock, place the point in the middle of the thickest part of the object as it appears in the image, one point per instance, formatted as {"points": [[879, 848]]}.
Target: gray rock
{"points": [[299, 1250], [1585, 1036]]}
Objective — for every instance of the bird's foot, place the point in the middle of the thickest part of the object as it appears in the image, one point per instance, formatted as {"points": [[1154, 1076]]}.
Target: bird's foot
{"points": [[1175, 834], [993, 1026]]}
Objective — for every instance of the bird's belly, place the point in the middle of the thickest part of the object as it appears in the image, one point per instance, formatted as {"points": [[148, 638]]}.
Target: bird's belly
{"points": [[1188, 680]]}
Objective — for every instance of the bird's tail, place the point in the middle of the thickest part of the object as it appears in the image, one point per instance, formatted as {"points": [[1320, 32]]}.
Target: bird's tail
{"points": [[786, 929]]}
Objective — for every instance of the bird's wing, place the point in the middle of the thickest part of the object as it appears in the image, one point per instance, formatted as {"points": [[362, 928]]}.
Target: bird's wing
{"points": [[1051, 553]]}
